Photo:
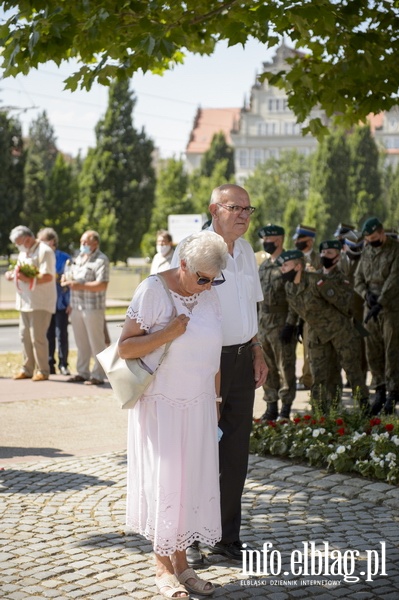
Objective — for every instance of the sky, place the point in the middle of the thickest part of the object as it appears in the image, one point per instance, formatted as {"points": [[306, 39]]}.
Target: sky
{"points": [[166, 105]]}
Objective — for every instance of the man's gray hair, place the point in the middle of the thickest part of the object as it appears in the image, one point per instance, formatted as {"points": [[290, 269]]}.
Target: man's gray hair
{"points": [[205, 251], [20, 231]]}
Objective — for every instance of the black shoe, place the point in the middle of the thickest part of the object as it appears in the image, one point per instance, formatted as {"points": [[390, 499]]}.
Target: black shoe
{"points": [[52, 370], [271, 412], [233, 550], [285, 411], [194, 556], [389, 406], [379, 400]]}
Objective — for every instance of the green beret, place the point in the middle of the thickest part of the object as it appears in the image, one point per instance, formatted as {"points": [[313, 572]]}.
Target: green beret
{"points": [[271, 230], [371, 225], [336, 244], [289, 255]]}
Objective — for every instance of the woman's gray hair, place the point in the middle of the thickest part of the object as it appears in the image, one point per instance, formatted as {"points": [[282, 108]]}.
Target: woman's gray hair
{"points": [[48, 234], [205, 251], [19, 231]]}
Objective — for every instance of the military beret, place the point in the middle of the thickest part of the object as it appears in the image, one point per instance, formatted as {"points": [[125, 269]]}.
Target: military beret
{"points": [[335, 244], [289, 255], [371, 225], [270, 229], [342, 229], [304, 231]]}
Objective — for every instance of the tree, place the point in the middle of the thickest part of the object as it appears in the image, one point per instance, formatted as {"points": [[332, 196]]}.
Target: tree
{"points": [[170, 198], [62, 207], [40, 159], [364, 176], [118, 179], [329, 178], [217, 151], [12, 159], [316, 214], [349, 68], [273, 185]]}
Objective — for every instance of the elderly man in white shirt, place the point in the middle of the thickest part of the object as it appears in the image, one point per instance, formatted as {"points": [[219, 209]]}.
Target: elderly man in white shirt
{"points": [[243, 368], [36, 301]]}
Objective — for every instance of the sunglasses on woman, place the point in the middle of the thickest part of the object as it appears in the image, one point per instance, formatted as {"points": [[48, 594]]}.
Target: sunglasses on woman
{"points": [[204, 280]]}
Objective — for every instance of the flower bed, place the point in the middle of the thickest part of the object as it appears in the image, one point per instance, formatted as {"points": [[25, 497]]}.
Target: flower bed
{"points": [[345, 443]]}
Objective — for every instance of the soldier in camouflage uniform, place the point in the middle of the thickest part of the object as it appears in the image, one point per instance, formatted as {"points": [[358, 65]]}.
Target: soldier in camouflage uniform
{"points": [[325, 305], [304, 238], [377, 281], [276, 329]]}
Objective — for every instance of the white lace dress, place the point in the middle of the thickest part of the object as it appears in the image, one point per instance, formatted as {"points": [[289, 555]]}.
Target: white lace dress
{"points": [[173, 470]]}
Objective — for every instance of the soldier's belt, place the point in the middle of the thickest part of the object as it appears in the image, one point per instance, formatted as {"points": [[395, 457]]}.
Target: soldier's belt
{"points": [[275, 309]]}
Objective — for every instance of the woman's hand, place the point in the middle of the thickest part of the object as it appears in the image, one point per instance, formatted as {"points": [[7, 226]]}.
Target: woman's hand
{"points": [[176, 327]]}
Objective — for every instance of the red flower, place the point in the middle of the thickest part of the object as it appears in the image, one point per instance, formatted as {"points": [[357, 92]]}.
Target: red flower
{"points": [[297, 420], [375, 421], [272, 423], [322, 419], [389, 427], [257, 420], [341, 431], [339, 421], [313, 421], [306, 417]]}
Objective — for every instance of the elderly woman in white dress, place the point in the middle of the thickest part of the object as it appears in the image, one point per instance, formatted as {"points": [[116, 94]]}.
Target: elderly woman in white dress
{"points": [[173, 473]]}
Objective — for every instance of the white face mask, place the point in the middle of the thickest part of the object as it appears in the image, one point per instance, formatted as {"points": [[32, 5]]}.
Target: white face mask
{"points": [[163, 249]]}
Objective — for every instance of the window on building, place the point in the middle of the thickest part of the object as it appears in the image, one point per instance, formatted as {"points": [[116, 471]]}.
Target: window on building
{"points": [[243, 158], [257, 156]]}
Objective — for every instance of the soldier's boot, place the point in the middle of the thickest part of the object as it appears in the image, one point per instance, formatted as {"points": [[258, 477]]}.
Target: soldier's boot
{"points": [[285, 411], [389, 406], [271, 413], [379, 400]]}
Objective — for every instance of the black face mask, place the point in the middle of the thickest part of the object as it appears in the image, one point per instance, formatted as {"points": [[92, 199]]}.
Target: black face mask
{"points": [[376, 243], [289, 276], [301, 246], [327, 262], [270, 247]]}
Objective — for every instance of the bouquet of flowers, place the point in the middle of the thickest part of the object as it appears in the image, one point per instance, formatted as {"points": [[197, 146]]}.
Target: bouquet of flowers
{"points": [[26, 269]]}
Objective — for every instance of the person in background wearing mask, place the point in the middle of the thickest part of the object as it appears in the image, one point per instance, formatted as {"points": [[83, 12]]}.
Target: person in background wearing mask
{"points": [[377, 282], [58, 329], [304, 238], [88, 283], [36, 301], [277, 328], [325, 305], [163, 257]]}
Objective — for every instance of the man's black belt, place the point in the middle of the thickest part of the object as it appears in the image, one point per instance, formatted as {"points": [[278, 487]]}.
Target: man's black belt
{"points": [[236, 349]]}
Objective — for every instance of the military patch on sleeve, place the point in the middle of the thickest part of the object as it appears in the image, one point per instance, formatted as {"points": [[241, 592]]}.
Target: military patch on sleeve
{"points": [[330, 292]]}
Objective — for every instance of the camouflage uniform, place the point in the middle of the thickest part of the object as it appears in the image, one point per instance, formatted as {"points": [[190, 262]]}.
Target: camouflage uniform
{"points": [[280, 357], [378, 272], [348, 268], [325, 305], [312, 264]]}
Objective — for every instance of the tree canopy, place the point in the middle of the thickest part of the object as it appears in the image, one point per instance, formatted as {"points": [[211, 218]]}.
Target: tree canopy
{"points": [[349, 65]]}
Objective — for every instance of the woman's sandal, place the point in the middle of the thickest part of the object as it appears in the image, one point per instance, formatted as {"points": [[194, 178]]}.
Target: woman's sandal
{"points": [[200, 586], [168, 586]]}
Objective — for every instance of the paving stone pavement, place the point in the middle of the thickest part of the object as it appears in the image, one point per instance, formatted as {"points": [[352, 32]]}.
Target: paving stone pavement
{"points": [[63, 536]]}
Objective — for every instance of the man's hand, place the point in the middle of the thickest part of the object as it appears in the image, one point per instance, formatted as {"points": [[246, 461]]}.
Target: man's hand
{"points": [[373, 313], [260, 368], [371, 299]]}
